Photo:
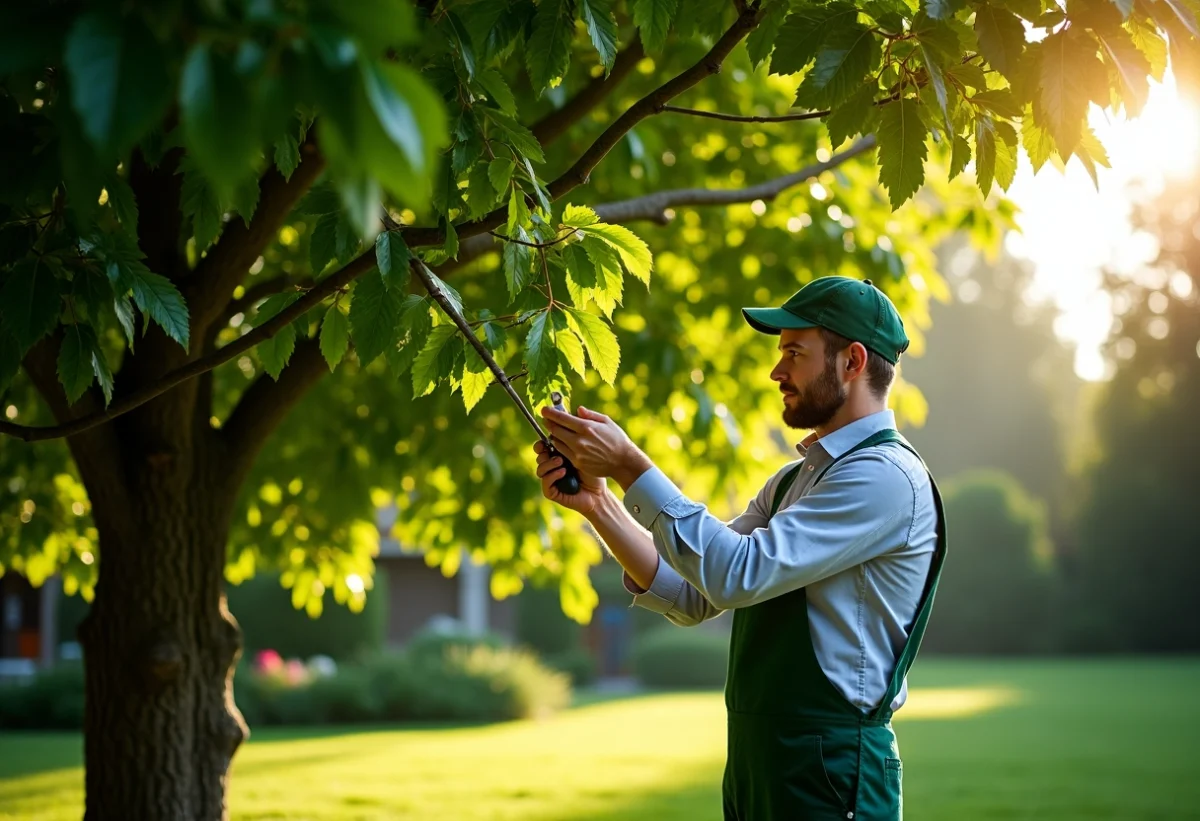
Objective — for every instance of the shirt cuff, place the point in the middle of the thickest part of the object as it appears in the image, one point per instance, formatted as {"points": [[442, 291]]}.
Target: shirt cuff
{"points": [[663, 593], [648, 495]]}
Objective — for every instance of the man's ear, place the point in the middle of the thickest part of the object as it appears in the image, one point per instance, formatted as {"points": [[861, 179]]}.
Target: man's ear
{"points": [[856, 365]]}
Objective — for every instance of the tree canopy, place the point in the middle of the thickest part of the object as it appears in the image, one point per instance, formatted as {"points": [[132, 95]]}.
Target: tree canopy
{"points": [[224, 201]]}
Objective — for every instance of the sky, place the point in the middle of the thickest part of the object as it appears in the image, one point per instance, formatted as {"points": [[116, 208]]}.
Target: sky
{"points": [[1070, 231]]}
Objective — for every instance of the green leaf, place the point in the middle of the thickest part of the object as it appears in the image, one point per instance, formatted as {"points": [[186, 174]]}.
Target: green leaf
{"points": [[938, 82], [762, 39], [1000, 102], [425, 372], [985, 154], [902, 150], [124, 204], [1061, 105], [960, 155], [454, 296], [245, 198], [580, 267], [602, 29], [632, 248], [124, 311], [287, 155], [322, 245], [494, 335], [392, 256], [275, 352], [519, 137], [538, 189], [158, 298], [1039, 145], [451, 244], [75, 360], [854, 116], [463, 37], [540, 353], [493, 83], [1149, 42], [1001, 38], [518, 212], [499, 173], [610, 276], [572, 350], [415, 325], [517, 261], [199, 203], [578, 216], [29, 303], [374, 317], [480, 196], [335, 336], [211, 97], [386, 86], [476, 378], [600, 341], [844, 59], [548, 52], [118, 84], [939, 9], [1131, 67], [968, 74], [1006, 155], [104, 375], [653, 20], [805, 31], [1091, 153]]}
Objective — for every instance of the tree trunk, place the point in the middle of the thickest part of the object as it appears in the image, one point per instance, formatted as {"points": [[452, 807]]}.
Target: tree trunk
{"points": [[160, 725]]}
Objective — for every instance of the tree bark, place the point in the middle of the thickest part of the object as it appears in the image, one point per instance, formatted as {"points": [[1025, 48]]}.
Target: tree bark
{"points": [[160, 725]]}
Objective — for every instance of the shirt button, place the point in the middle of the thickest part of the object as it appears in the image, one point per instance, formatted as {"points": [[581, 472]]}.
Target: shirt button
{"points": [[637, 509], [812, 467], [849, 815]]}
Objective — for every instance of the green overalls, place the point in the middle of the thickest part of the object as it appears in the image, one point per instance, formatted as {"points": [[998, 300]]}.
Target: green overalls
{"points": [[798, 750]]}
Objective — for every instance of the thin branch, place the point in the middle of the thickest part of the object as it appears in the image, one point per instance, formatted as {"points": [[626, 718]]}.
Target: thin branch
{"points": [[257, 291], [211, 284], [552, 126], [266, 402], [738, 118], [653, 207], [579, 173], [550, 244]]}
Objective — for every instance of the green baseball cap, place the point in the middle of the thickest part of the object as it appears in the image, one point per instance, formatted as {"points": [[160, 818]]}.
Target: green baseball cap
{"points": [[853, 308]]}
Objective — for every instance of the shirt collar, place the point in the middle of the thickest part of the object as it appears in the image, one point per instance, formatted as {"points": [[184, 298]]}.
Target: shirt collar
{"points": [[847, 436]]}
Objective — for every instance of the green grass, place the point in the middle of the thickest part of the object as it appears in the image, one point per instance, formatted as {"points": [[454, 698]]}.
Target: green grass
{"points": [[1063, 740]]}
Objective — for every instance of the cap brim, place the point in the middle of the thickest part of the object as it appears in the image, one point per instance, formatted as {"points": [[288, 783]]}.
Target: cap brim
{"points": [[774, 320]]}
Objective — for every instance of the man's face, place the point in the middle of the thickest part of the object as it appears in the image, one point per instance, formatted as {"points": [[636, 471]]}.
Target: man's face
{"points": [[812, 391]]}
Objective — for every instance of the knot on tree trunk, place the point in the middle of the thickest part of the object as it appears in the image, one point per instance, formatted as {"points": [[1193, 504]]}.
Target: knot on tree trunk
{"points": [[163, 662]]}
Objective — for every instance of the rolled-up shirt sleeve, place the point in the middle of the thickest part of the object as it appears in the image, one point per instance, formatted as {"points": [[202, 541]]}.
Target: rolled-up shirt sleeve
{"points": [[861, 509]]}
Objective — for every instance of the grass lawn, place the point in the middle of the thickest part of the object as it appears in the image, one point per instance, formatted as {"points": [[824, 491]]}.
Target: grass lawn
{"points": [[1063, 740]]}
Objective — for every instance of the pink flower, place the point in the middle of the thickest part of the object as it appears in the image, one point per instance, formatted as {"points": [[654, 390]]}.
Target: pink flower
{"points": [[268, 661], [297, 673]]}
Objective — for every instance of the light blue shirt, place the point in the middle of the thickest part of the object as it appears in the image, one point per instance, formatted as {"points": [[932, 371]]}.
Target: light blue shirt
{"points": [[860, 543]]}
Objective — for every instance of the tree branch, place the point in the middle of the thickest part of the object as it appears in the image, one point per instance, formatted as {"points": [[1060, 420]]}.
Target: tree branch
{"points": [[210, 286], [738, 118], [578, 173], [314, 296], [653, 207], [552, 126], [266, 402]]}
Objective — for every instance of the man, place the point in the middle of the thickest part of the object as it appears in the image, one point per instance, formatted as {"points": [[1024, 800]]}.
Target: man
{"points": [[830, 571]]}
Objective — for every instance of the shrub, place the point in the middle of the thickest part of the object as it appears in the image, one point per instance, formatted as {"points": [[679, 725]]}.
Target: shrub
{"points": [[576, 663], [52, 700], [677, 657]]}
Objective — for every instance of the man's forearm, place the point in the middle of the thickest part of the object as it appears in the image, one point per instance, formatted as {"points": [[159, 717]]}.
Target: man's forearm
{"points": [[630, 545]]}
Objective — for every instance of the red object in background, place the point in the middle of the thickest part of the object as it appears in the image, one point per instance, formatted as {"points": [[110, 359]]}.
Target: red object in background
{"points": [[29, 644]]}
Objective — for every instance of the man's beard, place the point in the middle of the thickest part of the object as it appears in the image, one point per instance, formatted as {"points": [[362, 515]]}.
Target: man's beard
{"points": [[817, 404]]}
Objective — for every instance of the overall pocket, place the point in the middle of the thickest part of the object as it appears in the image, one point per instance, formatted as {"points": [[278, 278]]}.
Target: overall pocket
{"points": [[807, 778], [893, 779]]}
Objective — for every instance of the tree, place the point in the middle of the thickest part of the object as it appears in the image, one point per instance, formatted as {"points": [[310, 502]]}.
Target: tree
{"points": [[1136, 530], [223, 171]]}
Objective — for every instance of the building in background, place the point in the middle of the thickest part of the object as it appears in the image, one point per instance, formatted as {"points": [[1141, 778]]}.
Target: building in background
{"points": [[28, 632]]}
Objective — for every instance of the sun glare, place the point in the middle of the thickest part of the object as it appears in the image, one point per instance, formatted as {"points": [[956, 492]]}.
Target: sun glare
{"points": [[1071, 231]]}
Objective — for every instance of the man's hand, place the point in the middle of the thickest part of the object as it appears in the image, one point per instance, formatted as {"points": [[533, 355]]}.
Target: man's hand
{"points": [[549, 469], [596, 445]]}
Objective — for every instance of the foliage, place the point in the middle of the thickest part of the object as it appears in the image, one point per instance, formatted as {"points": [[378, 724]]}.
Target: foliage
{"points": [[1136, 531], [156, 154], [1000, 554], [676, 657]]}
